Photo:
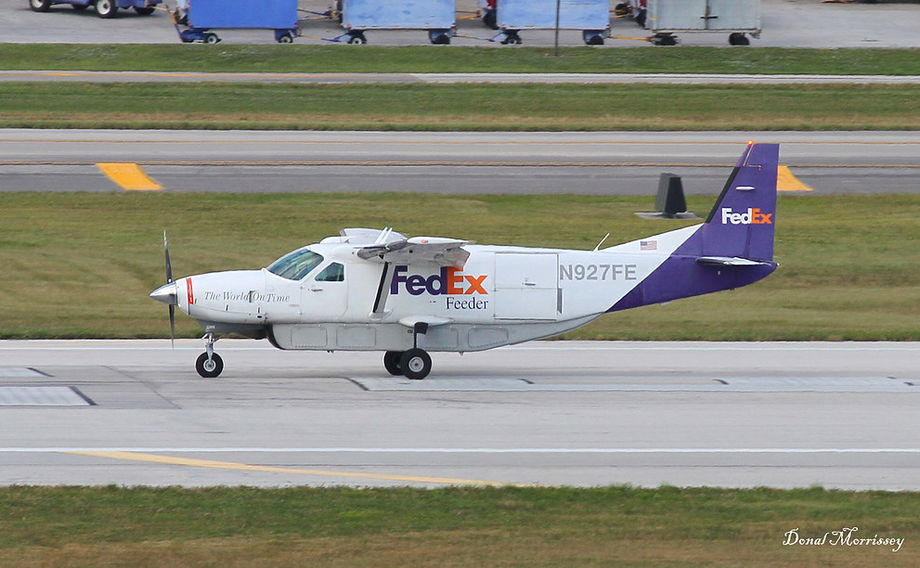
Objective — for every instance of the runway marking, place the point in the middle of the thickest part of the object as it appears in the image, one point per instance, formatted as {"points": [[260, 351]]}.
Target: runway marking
{"points": [[137, 453], [786, 180], [191, 462], [128, 176], [460, 163]]}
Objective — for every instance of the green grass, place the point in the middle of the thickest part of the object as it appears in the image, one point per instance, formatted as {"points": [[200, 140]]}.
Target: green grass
{"points": [[430, 59], [81, 265], [451, 527], [460, 107]]}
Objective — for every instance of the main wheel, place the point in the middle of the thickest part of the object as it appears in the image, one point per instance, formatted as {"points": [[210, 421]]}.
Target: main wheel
{"points": [[40, 5], [209, 368], [391, 362], [357, 40], [144, 10], [106, 8], [211, 38], [285, 38], [415, 364]]}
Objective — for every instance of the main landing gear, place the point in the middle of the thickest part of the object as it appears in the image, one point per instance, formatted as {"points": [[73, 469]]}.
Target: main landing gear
{"points": [[209, 363], [414, 363]]}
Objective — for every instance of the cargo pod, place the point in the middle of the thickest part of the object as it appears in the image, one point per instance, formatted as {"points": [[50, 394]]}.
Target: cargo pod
{"points": [[592, 17], [203, 16], [438, 17]]}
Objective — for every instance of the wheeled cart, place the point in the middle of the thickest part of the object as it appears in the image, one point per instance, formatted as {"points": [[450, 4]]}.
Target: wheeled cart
{"points": [[592, 17], [437, 17], [740, 18], [204, 16], [104, 8]]}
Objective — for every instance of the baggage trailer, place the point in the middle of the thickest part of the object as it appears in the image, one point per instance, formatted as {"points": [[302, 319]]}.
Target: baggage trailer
{"points": [[438, 17], [592, 17], [104, 8], [738, 17], [203, 16]]}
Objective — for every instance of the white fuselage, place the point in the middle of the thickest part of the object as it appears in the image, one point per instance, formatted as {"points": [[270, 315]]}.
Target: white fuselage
{"points": [[502, 295]]}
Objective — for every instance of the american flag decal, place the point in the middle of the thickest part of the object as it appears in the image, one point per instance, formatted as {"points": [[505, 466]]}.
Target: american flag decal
{"points": [[648, 245]]}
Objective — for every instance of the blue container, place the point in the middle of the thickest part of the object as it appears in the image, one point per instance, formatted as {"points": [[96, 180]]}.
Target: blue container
{"points": [[243, 14], [541, 14], [398, 14]]}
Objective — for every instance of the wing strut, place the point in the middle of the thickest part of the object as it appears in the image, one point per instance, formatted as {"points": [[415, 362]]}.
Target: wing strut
{"points": [[383, 291]]}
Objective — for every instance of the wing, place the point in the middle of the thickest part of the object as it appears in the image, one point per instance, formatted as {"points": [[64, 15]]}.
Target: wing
{"points": [[441, 251]]}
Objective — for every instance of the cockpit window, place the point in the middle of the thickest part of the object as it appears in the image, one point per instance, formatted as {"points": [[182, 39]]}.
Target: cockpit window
{"points": [[335, 272], [295, 265]]}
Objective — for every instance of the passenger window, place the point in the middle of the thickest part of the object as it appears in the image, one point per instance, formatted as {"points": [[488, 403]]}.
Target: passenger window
{"points": [[335, 272]]}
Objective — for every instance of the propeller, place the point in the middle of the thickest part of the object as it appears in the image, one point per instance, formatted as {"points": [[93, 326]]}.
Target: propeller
{"points": [[172, 306]]}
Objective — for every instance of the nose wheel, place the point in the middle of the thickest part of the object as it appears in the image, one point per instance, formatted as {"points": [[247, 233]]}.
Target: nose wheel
{"points": [[209, 364], [209, 367]]}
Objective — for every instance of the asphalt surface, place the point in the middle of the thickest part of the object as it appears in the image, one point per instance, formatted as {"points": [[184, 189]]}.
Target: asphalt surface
{"points": [[786, 23], [841, 415], [449, 162]]}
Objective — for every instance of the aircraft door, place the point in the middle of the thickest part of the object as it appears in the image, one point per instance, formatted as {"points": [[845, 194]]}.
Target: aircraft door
{"points": [[527, 286], [324, 294]]}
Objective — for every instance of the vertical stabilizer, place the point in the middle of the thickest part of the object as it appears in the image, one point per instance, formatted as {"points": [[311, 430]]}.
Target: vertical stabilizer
{"points": [[742, 222]]}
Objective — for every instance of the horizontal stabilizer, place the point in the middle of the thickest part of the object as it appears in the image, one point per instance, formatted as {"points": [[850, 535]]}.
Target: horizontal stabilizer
{"points": [[728, 261]]}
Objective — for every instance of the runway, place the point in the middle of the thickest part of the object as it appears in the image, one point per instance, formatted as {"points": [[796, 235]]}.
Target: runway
{"points": [[840, 415], [447, 162]]}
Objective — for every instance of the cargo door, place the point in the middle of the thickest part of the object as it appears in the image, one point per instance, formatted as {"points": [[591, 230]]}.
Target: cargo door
{"points": [[527, 286]]}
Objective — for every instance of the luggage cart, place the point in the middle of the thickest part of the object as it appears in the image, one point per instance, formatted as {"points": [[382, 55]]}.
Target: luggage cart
{"points": [[739, 18], [104, 8], [592, 17], [437, 17], [204, 16]]}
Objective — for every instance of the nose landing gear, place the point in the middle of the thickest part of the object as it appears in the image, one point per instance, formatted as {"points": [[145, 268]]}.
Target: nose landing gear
{"points": [[209, 364]]}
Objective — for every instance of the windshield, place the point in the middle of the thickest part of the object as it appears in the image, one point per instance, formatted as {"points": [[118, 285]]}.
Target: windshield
{"points": [[295, 265]]}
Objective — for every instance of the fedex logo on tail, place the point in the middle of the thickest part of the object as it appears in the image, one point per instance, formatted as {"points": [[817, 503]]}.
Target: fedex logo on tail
{"points": [[753, 216], [449, 281]]}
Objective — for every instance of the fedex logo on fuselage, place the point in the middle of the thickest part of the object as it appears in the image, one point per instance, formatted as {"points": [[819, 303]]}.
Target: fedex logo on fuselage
{"points": [[753, 216], [449, 280]]}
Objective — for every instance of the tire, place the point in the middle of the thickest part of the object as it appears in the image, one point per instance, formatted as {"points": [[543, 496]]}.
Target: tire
{"points": [[106, 8], [209, 370], [415, 364], [211, 38], [40, 5], [144, 10], [738, 39], [285, 38], [391, 362], [357, 40]]}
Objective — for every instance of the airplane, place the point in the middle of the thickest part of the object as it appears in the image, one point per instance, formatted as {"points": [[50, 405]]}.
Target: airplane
{"points": [[377, 290]]}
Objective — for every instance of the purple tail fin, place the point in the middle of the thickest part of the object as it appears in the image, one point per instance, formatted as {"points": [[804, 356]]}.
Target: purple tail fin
{"points": [[733, 248], [741, 224]]}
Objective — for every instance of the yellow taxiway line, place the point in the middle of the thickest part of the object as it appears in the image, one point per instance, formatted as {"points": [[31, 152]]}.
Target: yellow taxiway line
{"points": [[786, 180], [192, 462], [128, 176]]}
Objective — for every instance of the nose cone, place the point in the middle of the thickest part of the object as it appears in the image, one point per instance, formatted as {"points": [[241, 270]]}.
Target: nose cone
{"points": [[166, 293]]}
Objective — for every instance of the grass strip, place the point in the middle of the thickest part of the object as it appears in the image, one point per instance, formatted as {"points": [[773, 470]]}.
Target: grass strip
{"points": [[450, 527], [459, 107], [430, 59], [81, 265]]}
